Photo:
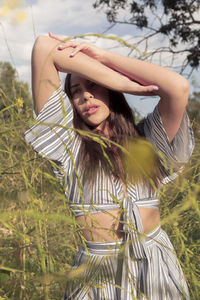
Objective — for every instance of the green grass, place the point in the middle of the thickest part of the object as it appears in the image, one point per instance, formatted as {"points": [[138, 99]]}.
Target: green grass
{"points": [[38, 237]]}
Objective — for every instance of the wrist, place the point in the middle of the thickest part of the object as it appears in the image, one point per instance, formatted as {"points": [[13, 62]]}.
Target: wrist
{"points": [[104, 57]]}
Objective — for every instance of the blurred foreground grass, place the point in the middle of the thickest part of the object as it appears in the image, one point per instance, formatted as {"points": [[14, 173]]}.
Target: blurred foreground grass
{"points": [[38, 240]]}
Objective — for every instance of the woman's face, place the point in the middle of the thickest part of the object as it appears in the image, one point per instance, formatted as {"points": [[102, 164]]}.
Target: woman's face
{"points": [[91, 101]]}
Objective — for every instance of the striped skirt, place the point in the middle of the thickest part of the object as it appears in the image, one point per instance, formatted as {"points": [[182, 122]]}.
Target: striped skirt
{"points": [[109, 271]]}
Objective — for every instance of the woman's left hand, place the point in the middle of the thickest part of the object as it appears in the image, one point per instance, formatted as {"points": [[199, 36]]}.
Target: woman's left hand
{"points": [[130, 85], [87, 48]]}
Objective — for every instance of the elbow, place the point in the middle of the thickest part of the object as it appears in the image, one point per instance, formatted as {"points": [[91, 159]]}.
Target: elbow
{"points": [[184, 89], [44, 43], [40, 42], [39, 39], [185, 86], [38, 48], [43, 47]]}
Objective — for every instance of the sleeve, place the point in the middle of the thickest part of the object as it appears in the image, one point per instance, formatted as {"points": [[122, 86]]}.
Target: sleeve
{"points": [[52, 134], [179, 151]]}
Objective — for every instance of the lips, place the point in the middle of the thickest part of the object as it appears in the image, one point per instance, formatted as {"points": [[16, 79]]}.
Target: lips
{"points": [[91, 109]]}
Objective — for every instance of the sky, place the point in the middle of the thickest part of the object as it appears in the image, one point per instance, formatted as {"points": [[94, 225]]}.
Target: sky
{"points": [[22, 21]]}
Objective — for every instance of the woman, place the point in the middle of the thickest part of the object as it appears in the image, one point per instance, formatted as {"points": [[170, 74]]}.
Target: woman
{"points": [[125, 253]]}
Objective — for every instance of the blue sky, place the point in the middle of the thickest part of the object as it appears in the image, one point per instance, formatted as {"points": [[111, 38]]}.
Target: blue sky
{"points": [[64, 17]]}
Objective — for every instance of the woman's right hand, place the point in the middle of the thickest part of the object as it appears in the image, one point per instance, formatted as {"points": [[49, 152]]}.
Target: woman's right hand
{"points": [[87, 48]]}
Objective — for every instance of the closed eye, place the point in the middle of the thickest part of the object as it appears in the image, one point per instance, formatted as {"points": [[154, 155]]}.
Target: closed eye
{"points": [[92, 84], [76, 91]]}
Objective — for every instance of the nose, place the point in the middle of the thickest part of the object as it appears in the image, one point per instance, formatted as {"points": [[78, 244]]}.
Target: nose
{"points": [[87, 96]]}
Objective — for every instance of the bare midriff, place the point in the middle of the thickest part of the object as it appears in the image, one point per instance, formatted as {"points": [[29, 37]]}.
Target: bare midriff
{"points": [[106, 226]]}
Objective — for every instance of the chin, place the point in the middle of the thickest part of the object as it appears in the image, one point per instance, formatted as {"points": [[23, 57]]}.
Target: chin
{"points": [[96, 123]]}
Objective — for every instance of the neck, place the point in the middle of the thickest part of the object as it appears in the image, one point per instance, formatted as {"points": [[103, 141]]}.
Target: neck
{"points": [[103, 129]]}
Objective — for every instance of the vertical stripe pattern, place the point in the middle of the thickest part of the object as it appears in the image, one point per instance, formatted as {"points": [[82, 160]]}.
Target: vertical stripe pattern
{"points": [[143, 266], [112, 272]]}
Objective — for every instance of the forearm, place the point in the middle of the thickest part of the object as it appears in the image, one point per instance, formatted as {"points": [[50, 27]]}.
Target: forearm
{"points": [[170, 83], [82, 65], [47, 61], [91, 69]]}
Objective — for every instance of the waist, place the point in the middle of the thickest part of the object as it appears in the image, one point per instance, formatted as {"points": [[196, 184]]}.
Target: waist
{"points": [[103, 226], [88, 209], [114, 247], [103, 248]]}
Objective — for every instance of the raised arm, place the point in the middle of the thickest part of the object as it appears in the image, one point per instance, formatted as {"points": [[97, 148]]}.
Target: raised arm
{"points": [[47, 61], [173, 88]]}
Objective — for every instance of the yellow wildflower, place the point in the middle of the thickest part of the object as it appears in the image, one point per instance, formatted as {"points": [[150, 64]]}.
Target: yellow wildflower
{"points": [[20, 101], [11, 4], [20, 17], [13, 9], [4, 10]]}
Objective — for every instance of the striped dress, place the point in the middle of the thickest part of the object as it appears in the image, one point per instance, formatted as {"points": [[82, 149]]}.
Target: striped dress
{"points": [[142, 266]]}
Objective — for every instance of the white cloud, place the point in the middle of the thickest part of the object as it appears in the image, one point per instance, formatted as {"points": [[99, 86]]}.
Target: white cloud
{"points": [[66, 17], [63, 17], [43, 16]]}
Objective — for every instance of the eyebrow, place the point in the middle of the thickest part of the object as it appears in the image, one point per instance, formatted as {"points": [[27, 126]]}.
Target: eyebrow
{"points": [[78, 84], [74, 85]]}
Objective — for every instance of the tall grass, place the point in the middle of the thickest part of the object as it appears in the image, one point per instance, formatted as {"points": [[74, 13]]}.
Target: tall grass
{"points": [[38, 236], [181, 217], [34, 219]]}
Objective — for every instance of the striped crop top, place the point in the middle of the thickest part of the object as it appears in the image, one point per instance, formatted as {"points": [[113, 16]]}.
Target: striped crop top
{"points": [[55, 139]]}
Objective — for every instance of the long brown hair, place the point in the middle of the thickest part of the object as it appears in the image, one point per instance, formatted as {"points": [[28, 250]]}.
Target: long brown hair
{"points": [[121, 123]]}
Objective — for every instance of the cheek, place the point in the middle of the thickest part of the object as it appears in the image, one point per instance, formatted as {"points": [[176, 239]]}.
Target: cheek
{"points": [[104, 97], [106, 109], [76, 110], [108, 113], [107, 106], [76, 107], [104, 113]]}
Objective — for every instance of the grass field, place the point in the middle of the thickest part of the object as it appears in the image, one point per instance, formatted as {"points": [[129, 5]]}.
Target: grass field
{"points": [[38, 237]]}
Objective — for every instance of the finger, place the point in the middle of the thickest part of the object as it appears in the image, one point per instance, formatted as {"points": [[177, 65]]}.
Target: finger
{"points": [[77, 49], [153, 88], [56, 37], [149, 88], [59, 38], [67, 45]]}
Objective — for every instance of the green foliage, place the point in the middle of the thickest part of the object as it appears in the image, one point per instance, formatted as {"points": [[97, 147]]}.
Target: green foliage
{"points": [[181, 218], [194, 107], [39, 235], [177, 20], [33, 216], [13, 92]]}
